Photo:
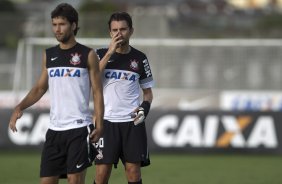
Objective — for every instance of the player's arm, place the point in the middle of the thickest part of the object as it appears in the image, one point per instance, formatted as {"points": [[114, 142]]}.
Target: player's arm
{"points": [[147, 100], [37, 91], [143, 110], [115, 41], [97, 93], [148, 95]]}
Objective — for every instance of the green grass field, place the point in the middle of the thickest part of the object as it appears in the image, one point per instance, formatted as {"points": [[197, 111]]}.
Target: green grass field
{"points": [[23, 168]]}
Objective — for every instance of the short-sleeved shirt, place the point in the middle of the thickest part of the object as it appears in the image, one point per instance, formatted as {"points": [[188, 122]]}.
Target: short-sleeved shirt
{"points": [[123, 77]]}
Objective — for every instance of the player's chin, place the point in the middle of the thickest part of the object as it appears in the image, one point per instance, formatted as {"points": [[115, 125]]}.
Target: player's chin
{"points": [[123, 43], [60, 38]]}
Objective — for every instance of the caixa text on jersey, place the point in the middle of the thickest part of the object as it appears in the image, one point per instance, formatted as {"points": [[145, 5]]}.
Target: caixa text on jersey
{"points": [[120, 75], [64, 72]]}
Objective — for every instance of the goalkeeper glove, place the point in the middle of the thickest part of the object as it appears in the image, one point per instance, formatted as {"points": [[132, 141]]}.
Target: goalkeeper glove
{"points": [[142, 112]]}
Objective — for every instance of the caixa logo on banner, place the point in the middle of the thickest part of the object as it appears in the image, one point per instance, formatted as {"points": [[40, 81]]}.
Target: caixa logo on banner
{"points": [[215, 131], [30, 131]]}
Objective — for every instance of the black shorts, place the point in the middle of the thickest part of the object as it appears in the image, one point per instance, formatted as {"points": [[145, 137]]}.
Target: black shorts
{"points": [[67, 152], [123, 141]]}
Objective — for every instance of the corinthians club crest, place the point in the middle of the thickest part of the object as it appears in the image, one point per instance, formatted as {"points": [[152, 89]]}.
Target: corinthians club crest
{"points": [[100, 154], [134, 64], [75, 60]]}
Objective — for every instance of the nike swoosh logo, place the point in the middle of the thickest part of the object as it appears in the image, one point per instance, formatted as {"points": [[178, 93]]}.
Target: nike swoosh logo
{"points": [[52, 59], [79, 166], [110, 61]]}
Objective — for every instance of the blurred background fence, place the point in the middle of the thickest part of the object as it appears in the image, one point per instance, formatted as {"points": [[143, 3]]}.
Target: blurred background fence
{"points": [[199, 64], [199, 67]]}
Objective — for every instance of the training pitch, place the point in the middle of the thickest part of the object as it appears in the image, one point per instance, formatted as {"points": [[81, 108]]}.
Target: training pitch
{"points": [[23, 168]]}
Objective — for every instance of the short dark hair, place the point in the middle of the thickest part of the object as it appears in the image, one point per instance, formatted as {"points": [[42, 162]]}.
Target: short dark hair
{"points": [[119, 16], [67, 11]]}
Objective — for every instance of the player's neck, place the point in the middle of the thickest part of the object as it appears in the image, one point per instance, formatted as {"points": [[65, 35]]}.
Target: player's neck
{"points": [[69, 44], [124, 49]]}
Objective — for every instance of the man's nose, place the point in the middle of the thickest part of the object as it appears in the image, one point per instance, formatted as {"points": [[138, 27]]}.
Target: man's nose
{"points": [[57, 29]]}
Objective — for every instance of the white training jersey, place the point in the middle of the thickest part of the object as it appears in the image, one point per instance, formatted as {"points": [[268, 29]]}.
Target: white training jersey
{"points": [[69, 87], [123, 77]]}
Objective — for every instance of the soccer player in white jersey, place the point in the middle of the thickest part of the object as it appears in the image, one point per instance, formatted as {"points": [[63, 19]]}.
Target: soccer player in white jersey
{"points": [[127, 78], [69, 71]]}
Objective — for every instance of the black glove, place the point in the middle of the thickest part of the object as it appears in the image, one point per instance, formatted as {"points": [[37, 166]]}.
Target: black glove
{"points": [[145, 106]]}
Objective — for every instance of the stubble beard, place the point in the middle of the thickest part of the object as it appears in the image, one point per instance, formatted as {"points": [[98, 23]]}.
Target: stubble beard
{"points": [[64, 38], [125, 42]]}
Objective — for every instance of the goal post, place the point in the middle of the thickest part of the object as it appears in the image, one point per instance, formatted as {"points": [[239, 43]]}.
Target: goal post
{"points": [[27, 53]]}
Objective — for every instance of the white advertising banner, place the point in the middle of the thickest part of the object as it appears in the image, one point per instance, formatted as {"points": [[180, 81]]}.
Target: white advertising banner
{"points": [[251, 101], [9, 99]]}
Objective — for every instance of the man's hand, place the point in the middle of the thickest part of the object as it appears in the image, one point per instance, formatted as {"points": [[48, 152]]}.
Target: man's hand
{"points": [[17, 113], [95, 135], [141, 112], [115, 43], [138, 115]]}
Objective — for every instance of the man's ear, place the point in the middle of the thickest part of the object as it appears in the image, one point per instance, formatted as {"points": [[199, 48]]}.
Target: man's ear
{"points": [[131, 31], [73, 26], [111, 34]]}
